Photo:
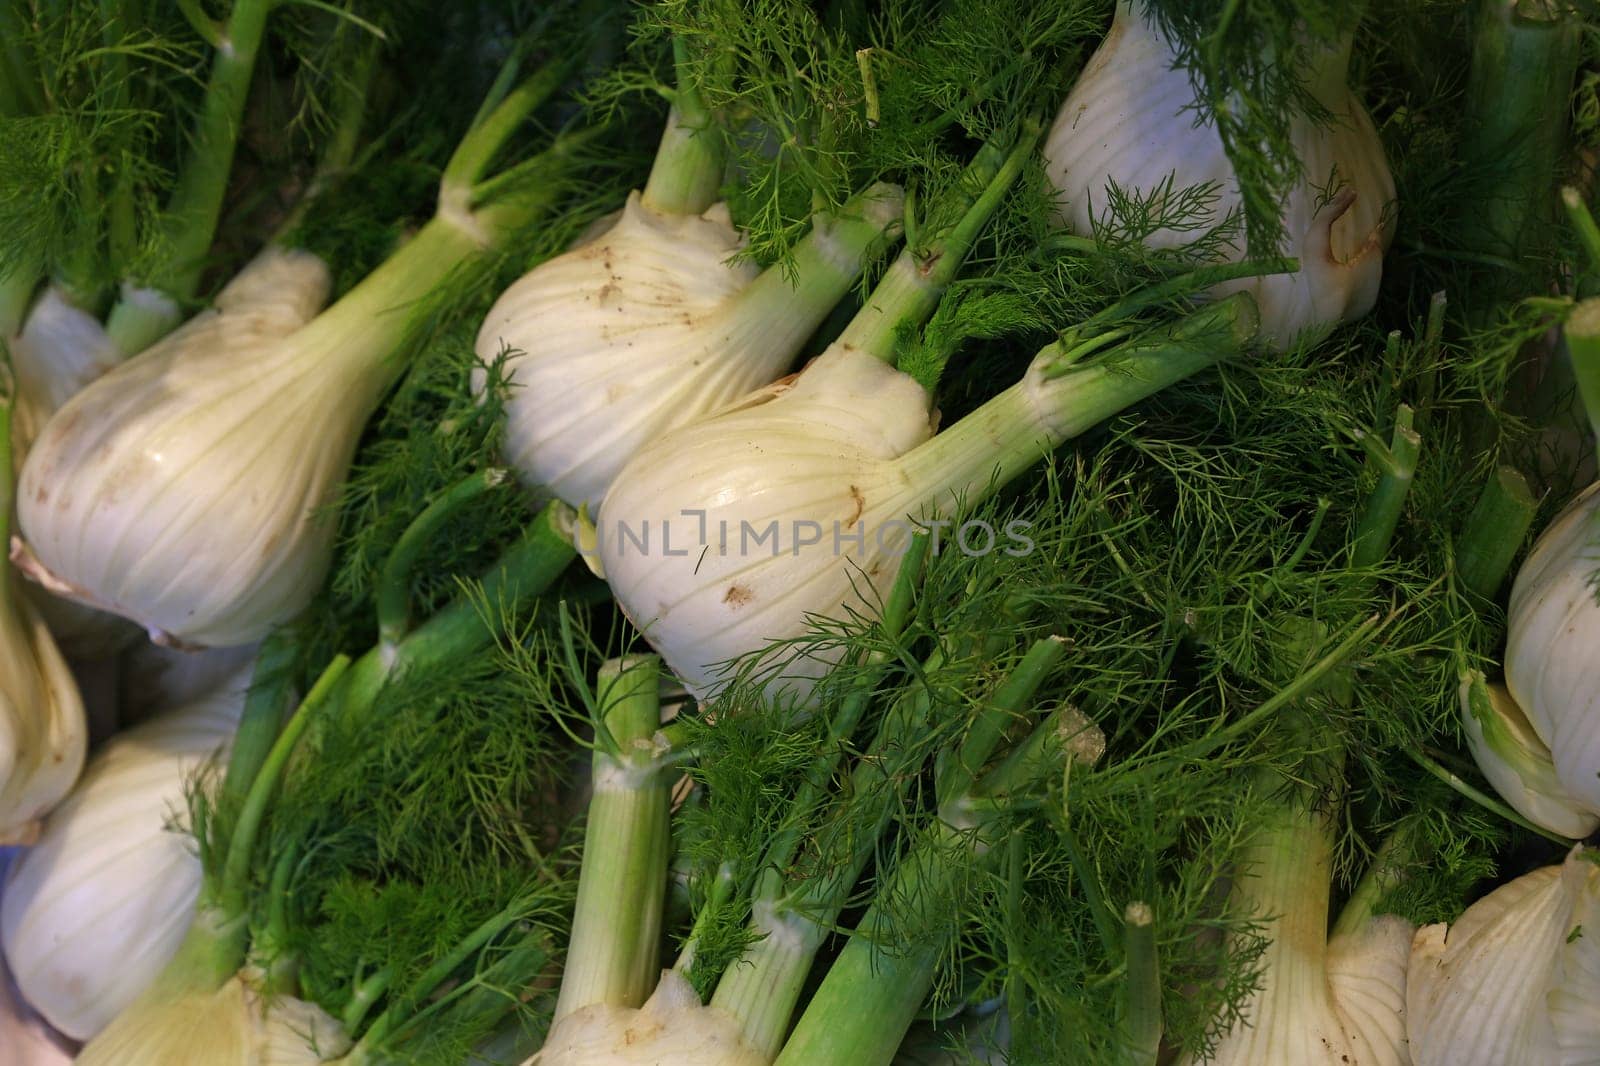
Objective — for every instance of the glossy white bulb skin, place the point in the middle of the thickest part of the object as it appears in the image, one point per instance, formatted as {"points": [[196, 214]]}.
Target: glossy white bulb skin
{"points": [[1347, 1011], [1515, 980], [179, 489], [673, 1028], [1129, 122], [619, 340], [98, 907], [60, 349], [44, 732], [1517, 762], [1552, 662], [799, 458], [24, 1036]]}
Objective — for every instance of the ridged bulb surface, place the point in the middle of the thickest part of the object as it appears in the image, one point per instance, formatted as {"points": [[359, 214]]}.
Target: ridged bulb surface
{"points": [[231, 1026], [60, 349], [619, 340], [1552, 662], [43, 728], [98, 907], [783, 467], [26, 1038], [179, 490], [1515, 980], [673, 1028], [1517, 762], [1347, 1011], [1130, 123]]}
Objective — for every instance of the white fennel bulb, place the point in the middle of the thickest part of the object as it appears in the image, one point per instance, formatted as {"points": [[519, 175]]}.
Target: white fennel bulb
{"points": [[59, 350], [799, 500], [1517, 761], [651, 325], [720, 537], [177, 489], [1130, 123], [1514, 981], [1322, 1001], [673, 1028], [229, 1026], [1552, 633], [100, 905], [43, 728], [26, 1038]]}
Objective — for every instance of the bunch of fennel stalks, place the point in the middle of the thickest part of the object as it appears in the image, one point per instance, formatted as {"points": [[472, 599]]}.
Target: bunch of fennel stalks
{"points": [[1085, 788]]}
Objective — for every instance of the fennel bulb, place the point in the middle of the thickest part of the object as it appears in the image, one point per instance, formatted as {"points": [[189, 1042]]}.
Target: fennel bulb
{"points": [[228, 1026], [1552, 630], [1517, 762], [59, 350], [1514, 981], [97, 908], [1129, 122], [1322, 1001], [650, 326], [798, 500], [109, 503], [28, 1041], [673, 1028], [43, 728]]}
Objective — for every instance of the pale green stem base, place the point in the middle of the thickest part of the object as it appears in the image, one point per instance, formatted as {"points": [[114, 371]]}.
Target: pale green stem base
{"points": [[1011, 432], [1495, 532], [616, 927]]}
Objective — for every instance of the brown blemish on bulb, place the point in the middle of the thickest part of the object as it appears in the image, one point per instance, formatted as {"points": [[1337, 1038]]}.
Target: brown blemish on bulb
{"points": [[737, 596], [860, 503]]}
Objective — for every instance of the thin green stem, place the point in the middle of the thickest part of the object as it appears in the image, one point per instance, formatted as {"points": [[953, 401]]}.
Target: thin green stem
{"points": [[517, 195], [493, 127], [1380, 878], [1488, 803], [1009, 702], [367, 992], [688, 166], [915, 282], [1523, 64], [398, 1014], [190, 218], [872, 993], [1093, 897], [762, 988], [230, 895], [260, 720], [1397, 467], [339, 150], [842, 723], [1187, 284], [1057, 400], [272, 944], [207, 28], [1140, 1003], [1583, 224], [616, 927], [395, 580], [1495, 532], [470, 623], [16, 293], [1583, 344], [1306, 683]]}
